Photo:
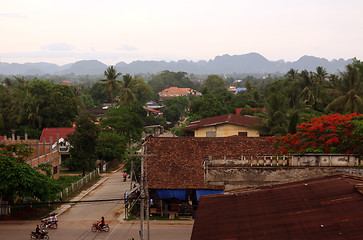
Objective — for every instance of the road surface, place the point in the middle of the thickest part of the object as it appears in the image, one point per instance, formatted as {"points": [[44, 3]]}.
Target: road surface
{"points": [[76, 222]]}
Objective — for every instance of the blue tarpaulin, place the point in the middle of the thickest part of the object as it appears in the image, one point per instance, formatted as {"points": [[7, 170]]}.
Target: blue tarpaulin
{"points": [[202, 192], [171, 193]]}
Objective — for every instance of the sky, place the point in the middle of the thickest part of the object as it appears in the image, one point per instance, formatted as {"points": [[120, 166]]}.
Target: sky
{"points": [[112, 31]]}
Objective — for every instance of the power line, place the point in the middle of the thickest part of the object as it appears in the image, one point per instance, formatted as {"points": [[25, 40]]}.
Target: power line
{"points": [[66, 202]]}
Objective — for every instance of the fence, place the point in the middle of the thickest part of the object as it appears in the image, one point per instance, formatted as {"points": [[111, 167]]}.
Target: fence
{"points": [[252, 161], [80, 183]]}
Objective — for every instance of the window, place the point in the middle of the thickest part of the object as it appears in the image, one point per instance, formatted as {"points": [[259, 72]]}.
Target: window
{"points": [[55, 170], [211, 134], [242, 134]]}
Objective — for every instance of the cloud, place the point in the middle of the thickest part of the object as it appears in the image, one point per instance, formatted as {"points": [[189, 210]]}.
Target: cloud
{"points": [[128, 48], [13, 15], [58, 47]]}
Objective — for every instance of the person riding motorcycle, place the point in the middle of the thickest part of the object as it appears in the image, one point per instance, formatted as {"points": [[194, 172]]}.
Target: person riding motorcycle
{"points": [[124, 176], [102, 223], [39, 232]]}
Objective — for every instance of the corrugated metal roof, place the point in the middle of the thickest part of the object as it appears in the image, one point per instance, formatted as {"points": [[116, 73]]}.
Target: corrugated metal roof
{"points": [[324, 208]]}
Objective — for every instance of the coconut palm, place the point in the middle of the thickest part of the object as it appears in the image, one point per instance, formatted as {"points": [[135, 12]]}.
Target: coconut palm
{"points": [[127, 96], [348, 91], [310, 89], [112, 85]]}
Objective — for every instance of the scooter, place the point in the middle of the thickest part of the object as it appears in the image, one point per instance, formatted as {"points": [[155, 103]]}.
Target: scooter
{"points": [[46, 224], [96, 227], [34, 236]]}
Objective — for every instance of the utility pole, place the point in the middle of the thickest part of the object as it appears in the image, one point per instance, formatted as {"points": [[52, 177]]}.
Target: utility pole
{"points": [[143, 189]]}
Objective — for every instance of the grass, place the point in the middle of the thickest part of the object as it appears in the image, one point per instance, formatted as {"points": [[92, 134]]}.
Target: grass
{"points": [[66, 181]]}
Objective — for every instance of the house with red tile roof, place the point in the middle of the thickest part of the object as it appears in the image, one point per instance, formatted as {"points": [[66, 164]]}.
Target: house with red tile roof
{"points": [[321, 208], [56, 137], [176, 92], [224, 126], [175, 172], [52, 134]]}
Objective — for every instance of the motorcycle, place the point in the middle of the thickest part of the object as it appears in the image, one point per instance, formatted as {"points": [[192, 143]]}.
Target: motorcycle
{"points": [[96, 227], [44, 236], [46, 224], [124, 176]]}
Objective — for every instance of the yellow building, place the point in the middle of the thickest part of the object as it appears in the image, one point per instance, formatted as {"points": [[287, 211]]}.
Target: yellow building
{"points": [[223, 126]]}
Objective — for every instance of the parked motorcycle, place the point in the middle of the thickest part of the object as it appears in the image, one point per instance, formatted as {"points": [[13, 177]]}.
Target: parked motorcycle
{"points": [[46, 224], [96, 227], [44, 236]]}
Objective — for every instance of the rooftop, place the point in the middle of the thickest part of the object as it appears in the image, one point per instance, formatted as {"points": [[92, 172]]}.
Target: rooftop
{"points": [[218, 120], [322, 208], [52, 132], [177, 163]]}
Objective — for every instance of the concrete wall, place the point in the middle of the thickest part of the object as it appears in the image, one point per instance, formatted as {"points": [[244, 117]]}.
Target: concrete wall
{"points": [[341, 160], [248, 177], [225, 130]]}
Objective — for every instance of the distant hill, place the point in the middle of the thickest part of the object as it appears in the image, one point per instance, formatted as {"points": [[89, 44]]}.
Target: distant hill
{"points": [[251, 63]]}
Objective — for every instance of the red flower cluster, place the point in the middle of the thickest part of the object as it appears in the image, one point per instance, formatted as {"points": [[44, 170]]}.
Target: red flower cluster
{"points": [[334, 133], [21, 151]]}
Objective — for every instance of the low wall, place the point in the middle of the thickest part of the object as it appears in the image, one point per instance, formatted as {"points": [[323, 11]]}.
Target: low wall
{"points": [[249, 177], [339, 160]]}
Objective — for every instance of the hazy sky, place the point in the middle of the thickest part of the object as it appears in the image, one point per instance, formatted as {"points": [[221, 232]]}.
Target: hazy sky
{"points": [[65, 31]]}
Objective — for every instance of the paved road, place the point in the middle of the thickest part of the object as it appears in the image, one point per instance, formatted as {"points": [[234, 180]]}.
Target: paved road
{"points": [[75, 222]]}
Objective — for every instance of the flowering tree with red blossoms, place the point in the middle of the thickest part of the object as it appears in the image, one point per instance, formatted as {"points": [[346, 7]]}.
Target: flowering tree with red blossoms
{"points": [[334, 133]]}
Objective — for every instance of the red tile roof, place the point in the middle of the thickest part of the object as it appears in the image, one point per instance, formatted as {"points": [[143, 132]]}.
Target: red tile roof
{"points": [[229, 118], [176, 90], [52, 132], [178, 162], [324, 208]]}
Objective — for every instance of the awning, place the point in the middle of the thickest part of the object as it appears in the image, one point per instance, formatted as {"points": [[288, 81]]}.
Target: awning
{"points": [[203, 192], [171, 193]]}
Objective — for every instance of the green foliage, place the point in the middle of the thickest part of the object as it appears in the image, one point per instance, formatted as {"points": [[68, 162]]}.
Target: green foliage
{"points": [[124, 121], [18, 179], [142, 91], [168, 79], [37, 104], [66, 181], [83, 141], [111, 146], [214, 84], [112, 85], [175, 108], [209, 106]]}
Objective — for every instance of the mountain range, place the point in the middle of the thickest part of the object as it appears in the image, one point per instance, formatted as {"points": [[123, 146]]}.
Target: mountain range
{"points": [[251, 63]]}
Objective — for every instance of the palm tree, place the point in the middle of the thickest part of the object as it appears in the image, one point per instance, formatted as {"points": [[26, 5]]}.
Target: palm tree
{"points": [[348, 91], [310, 89], [127, 96], [112, 85], [321, 74]]}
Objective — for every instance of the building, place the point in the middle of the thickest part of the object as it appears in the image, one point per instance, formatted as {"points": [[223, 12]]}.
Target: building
{"points": [[56, 137], [175, 172], [321, 208], [43, 153], [177, 92], [224, 126]]}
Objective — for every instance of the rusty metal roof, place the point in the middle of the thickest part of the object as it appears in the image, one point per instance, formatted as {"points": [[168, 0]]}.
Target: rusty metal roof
{"points": [[324, 208]]}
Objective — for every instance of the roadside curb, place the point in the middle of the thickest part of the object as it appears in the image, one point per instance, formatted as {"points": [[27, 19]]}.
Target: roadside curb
{"points": [[84, 193]]}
